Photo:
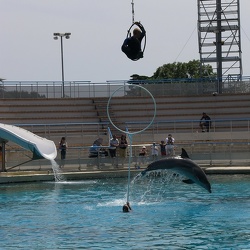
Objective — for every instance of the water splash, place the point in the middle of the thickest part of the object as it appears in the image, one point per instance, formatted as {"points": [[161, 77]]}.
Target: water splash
{"points": [[166, 176], [112, 203], [57, 172], [157, 185]]}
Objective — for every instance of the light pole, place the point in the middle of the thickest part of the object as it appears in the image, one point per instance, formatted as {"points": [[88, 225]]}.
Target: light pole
{"points": [[67, 36]]}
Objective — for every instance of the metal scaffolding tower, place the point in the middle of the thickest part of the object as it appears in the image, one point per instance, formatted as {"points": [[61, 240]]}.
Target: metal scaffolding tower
{"points": [[219, 38]]}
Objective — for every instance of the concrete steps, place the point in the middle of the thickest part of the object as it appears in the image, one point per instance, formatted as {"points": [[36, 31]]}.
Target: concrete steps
{"points": [[92, 112]]}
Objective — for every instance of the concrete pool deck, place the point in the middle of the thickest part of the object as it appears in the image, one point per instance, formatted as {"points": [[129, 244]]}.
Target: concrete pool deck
{"points": [[33, 176]]}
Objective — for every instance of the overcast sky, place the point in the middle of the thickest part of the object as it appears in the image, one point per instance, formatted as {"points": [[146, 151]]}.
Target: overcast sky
{"points": [[98, 27]]}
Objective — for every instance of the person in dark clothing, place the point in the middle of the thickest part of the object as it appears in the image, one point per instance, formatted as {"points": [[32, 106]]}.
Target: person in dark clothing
{"points": [[132, 45], [96, 150], [63, 147], [163, 149], [205, 122], [126, 207], [123, 149]]}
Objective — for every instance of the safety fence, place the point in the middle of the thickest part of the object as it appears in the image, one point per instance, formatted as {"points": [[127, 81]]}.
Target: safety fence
{"points": [[182, 130], [206, 154], [84, 89]]}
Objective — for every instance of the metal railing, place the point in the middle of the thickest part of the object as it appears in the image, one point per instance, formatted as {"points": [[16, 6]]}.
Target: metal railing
{"points": [[184, 130], [227, 143], [204, 154], [87, 89]]}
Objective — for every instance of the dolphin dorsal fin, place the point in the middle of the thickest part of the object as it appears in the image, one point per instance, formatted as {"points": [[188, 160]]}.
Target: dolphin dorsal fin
{"points": [[184, 153]]}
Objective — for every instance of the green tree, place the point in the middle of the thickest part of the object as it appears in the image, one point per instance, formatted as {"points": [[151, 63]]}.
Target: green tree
{"points": [[190, 69], [136, 77]]}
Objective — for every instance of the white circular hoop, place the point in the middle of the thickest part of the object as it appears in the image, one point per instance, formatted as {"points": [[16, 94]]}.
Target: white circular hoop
{"points": [[139, 131]]}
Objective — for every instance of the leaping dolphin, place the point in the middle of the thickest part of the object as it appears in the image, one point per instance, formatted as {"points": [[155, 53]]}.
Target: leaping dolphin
{"points": [[184, 166]]}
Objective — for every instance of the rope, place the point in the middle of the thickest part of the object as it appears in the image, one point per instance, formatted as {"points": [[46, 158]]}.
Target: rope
{"points": [[130, 134], [133, 12], [130, 137], [185, 45]]}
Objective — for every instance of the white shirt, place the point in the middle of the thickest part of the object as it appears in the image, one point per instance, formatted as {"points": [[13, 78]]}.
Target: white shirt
{"points": [[154, 150], [167, 141]]}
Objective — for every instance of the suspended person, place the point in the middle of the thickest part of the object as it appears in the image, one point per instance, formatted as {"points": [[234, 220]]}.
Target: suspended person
{"points": [[132, 45]]}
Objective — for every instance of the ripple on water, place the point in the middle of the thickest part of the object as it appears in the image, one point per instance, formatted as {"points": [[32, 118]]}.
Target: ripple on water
{"points": [[88, 215]]}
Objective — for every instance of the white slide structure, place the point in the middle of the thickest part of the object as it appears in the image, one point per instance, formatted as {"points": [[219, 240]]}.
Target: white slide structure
{"points": [[41, 147]]}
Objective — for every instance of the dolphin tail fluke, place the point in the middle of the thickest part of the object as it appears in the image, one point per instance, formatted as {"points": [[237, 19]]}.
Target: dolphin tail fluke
{"points": [[184, 154]]}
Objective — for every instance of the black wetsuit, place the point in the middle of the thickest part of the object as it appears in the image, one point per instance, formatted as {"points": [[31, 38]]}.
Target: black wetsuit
{"points": [[132, 46]]}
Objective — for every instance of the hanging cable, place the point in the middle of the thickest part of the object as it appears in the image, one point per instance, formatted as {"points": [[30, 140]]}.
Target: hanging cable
{"points": [[132, 44], [185, 45], [133, 12]]}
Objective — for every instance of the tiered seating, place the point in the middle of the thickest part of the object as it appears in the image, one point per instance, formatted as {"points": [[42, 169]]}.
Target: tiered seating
{"points": [[49, 111], [180, 108], [172, 110], [52, 115], [64, 117]]}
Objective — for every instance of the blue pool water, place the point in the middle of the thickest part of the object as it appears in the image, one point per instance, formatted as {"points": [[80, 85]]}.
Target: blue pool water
{"points": [[87, 215]]}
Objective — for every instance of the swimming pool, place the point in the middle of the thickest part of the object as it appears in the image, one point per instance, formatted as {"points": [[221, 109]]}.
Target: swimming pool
{"points": [[88, 215]]}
